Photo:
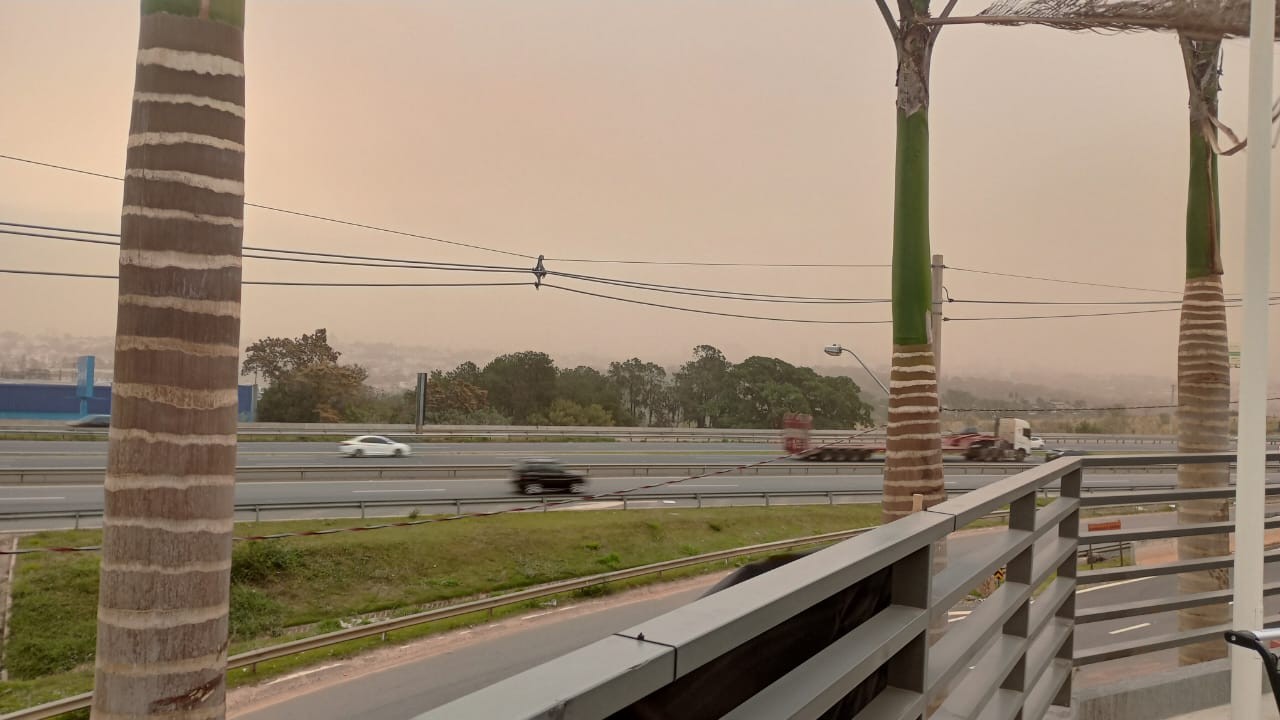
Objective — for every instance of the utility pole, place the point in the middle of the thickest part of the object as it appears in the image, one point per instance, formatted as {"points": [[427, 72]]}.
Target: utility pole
{"points": [[935, 317]]}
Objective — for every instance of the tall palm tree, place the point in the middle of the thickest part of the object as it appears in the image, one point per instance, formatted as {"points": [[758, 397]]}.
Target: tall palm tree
{"points": [[913, 462], [166, 558], [1204, 381], [1204, 373]]}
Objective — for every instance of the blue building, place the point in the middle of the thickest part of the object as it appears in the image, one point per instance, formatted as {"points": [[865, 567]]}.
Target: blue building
{"points": [[48, 401], [56, 401]]}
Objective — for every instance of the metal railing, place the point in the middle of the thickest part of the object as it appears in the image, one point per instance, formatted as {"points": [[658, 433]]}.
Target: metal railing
{"points": [[1013, 651], [251, 658], [357, 470], [1013, 656], [626, 501], [524, 432]]}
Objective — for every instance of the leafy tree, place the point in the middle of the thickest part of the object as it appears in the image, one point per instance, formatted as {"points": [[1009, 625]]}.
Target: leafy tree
{"points": [[308, 385], [763, 389], [325, 392], [566, 412], [640, 385], [702, 386], [587, 386], [276, 358], [520, 384]]}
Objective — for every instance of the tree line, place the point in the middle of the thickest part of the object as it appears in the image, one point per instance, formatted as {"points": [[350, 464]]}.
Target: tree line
{"points": [[307, 382]]}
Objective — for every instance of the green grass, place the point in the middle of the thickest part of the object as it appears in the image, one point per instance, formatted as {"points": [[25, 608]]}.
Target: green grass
{"points": [[279, 584]]}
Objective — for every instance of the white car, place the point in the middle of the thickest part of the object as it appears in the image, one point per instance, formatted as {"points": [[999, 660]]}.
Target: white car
{"points": [[373, 445], [1037, 442]]}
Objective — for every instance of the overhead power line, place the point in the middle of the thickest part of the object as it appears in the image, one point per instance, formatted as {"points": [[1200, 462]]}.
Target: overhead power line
{"points": [[1229, 304], [1062, 280], [394, 263], [276, 283], [713, 312], [297, 213], [1113, 408], [695, 263], [472, 246]]}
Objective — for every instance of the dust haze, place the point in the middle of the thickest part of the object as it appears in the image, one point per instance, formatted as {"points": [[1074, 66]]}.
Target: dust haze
{"points": [[667, 130]]}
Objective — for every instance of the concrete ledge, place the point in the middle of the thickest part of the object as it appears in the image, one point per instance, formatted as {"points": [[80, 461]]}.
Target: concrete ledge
{"points": [[1163, 695]]}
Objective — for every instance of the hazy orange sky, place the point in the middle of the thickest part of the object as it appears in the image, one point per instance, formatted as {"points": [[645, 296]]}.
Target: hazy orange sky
{"points": [[706, 130]]}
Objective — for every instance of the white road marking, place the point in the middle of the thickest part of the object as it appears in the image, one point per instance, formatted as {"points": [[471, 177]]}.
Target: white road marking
{"points": [[711, 485], [548, 612], [412, 490], [1139, 626], [31, 499], [1105, 586], [303, 673]]}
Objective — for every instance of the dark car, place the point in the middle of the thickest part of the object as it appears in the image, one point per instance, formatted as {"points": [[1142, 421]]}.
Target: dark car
{"points": [[1055, 454], [537, 475], [92, 421]]}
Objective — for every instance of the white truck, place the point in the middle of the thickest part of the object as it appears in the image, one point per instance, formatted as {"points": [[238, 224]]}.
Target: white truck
{"points": [[1011, 441]]}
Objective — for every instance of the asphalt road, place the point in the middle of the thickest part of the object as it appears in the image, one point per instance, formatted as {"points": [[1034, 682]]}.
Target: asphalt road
{"points": [[90, 454], [426, 492]]}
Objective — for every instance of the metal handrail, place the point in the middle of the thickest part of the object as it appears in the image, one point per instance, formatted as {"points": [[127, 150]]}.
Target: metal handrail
{"points": [[253, 657], [621, 669], [1003, 632]]}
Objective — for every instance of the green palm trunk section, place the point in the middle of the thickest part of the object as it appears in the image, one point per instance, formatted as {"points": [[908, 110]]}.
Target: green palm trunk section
{"points": [[1204, 392], [911, 253], [230, 12]]}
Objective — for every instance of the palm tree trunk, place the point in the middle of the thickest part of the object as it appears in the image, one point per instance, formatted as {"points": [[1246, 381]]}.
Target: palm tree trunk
{"points": [[166, 559], [914, 456], [1204, 379]]}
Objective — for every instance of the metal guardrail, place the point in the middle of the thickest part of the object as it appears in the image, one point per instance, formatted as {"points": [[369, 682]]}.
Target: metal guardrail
{"points": [[358, 471], [521, 432], [1008, 658], [253, 657], [628, 501]]}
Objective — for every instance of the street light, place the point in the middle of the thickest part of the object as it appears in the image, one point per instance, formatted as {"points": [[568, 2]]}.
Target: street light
{"points": [[835, 349]]}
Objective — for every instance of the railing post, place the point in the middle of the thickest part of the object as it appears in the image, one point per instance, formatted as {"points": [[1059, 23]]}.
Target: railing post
{"points": [[831, 498], [1069, 488], [362, 510], [257, 514], [698, 496], [77, 526], [912, 586], [457, 506]]}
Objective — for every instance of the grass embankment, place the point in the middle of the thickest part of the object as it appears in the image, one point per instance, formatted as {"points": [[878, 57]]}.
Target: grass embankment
{"points": [[320, 582]]}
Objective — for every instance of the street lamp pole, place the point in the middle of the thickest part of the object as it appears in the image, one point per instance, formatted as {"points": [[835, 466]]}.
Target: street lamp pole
{"points": [[835, 349]]}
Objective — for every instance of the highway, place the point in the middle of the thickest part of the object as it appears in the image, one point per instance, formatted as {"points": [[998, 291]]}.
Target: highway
{"points": [[418, 493], [93, 453]]}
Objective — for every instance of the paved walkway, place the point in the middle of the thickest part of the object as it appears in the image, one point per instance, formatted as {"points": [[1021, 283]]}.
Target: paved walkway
{"points": [[1223, 713]]}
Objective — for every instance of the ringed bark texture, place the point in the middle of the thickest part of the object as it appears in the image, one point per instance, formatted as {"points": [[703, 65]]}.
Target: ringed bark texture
{"points": [[1204, 425], [1204, 375], [914, 440], [166, 560]]}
